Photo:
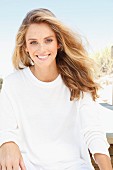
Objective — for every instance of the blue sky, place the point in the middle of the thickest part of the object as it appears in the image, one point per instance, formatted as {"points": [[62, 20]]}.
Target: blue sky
{"points": [[93, 19]]}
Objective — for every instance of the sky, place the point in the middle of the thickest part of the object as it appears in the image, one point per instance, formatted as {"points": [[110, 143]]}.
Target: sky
{"points": [[92, 19]]}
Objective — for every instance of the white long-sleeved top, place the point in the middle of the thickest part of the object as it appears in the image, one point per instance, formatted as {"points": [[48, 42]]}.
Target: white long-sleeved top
{"points": [[50, 130]]}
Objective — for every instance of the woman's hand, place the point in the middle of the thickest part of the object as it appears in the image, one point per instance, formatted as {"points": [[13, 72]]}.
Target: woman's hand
{"points": [[10, 157]]}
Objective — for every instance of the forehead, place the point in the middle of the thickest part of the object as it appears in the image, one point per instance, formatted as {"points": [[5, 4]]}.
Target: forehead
{"points": [[40, 30]]}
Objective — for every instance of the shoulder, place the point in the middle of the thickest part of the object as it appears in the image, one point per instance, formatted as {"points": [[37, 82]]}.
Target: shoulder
{"points": [[86, 96], [13, 79], [86, 100]]}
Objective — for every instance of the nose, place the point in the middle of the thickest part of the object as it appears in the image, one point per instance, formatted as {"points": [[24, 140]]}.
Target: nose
{"points": [[40, 47]]}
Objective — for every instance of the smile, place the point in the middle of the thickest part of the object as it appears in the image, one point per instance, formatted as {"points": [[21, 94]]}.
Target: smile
{"points": [[44, 57]]}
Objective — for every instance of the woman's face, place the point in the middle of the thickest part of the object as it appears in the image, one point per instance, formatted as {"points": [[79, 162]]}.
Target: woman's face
{"points": [[41, 43]]}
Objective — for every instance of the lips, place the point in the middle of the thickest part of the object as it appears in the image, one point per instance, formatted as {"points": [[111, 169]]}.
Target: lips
{"points": [[42, 57]]}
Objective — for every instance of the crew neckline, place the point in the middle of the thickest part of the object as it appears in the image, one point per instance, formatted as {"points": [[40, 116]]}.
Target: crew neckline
{"points": [[38, 82]]}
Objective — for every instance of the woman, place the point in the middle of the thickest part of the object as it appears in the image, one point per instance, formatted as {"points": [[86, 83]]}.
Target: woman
{"points": [[49, 102]]}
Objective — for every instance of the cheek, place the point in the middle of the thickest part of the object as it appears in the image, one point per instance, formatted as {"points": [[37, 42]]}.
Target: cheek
{"points": [[30, 49], [54, 48]]}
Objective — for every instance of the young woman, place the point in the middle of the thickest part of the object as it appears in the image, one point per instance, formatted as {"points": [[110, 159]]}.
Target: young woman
{"points": [[48, 115]]}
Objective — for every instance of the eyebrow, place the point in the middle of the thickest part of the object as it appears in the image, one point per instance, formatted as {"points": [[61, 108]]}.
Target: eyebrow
{"points": [[30, 39]]}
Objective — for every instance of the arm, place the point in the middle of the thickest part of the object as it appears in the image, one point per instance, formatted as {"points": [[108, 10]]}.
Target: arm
{"points": [[10, 155], [93, 132], [103, 161], [9, 129]]}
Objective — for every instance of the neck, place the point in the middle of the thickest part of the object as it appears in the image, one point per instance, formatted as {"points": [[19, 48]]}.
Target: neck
{"points": [[45, 74]]}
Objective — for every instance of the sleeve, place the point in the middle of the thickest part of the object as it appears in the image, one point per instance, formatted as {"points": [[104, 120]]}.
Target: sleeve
{"points": [[91, 126], [9, 130]]}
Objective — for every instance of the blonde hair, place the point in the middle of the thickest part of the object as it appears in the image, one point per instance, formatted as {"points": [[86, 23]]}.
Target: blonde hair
{"points": [[75, 67]]}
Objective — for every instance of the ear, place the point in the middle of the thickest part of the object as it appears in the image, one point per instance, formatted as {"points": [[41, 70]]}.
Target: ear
{"points": [[59, 46], [26, 49]]}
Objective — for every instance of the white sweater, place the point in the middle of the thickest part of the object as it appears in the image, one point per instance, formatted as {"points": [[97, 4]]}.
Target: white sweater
{"points": [[50, 129]]}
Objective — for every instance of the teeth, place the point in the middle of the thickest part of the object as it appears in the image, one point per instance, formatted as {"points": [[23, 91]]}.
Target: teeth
{"points": [[42, 56]]}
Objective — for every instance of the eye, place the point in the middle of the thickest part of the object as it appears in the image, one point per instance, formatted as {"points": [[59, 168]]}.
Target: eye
{"points": [[34, 42], [49, 40]]}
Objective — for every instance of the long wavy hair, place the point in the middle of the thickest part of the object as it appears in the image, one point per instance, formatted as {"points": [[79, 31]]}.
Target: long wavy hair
{"points": [[73, 63]]}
